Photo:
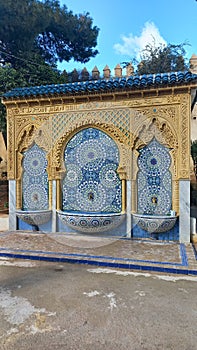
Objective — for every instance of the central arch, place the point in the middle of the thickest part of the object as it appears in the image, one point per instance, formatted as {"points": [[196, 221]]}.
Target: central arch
{"points": [[91, 183]]}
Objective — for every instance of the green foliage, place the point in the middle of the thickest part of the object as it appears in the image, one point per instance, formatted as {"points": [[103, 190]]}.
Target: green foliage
{"points": [[34, 36], [161, 59], [194, 155], [27, 75], [2, 119], [38, 72], [9, 78], [44, 28]]}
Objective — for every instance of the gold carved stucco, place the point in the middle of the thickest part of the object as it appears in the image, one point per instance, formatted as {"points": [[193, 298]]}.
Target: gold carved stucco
{"points": [[53, 134], [132, 123], [27, 132], [184, 138], [51, 108], [119, 119], [63, 107], [175, 196], [11, 166], [162, 123], [153, 127], [114, 133], [145, 127], [153, 101]]}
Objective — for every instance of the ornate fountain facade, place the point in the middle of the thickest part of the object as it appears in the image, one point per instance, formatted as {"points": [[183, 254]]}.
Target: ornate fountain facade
{"points": [[110, 156]]}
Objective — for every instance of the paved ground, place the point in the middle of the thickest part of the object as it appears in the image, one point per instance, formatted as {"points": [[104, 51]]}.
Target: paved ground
{"points": [[4, 222], [117, 294], [144, 255], [77, 307]]}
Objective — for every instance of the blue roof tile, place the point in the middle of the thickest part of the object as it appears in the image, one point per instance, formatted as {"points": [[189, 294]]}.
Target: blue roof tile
{"points": [[103, 85]]}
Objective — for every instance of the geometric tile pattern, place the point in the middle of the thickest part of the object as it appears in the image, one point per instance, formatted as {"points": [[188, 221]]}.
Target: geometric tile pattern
{"points": [[34, 179], [91, 184], [154, 180]]}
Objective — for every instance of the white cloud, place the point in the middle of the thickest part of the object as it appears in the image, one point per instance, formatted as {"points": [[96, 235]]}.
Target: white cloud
{"points": [[133, 45]]}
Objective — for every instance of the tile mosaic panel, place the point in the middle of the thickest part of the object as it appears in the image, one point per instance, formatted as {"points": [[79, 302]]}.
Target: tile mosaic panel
{"points": [[92, 223], [34, 179], [171, 235], [91, 183], [154, 180]]}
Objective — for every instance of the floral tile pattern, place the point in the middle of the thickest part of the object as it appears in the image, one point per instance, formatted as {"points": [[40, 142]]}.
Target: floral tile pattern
{"points": [[91, 183], [154, 180], [35, 179]]}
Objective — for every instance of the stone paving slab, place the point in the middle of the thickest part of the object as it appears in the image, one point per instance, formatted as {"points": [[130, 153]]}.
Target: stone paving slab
{"points": [[146, 255], [4, 222]]}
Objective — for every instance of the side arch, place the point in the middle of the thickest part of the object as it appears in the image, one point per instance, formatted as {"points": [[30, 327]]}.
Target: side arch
{"points": [[160, 129], [154, 180], [34, 179], [27, 138]]}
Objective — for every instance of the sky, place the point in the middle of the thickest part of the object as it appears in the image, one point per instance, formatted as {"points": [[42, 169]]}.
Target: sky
{"points": [[127, 26]]}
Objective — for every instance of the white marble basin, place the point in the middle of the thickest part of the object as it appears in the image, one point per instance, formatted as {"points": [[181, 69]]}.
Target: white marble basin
{"points": [[154, 223], [34, 217], [86, 222]]}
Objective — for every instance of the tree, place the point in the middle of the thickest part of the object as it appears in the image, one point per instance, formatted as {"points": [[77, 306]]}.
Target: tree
{"points": [[194, 155], [34, 36], [45, 29], [9, 78], [161, 59]]}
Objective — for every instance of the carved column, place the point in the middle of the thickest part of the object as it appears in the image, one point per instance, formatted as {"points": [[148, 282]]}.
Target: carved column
{"points": [[18, 194], [123, 196], [50, 194], [122, 176], [58, 194], [11, 146], [175, 196]]}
